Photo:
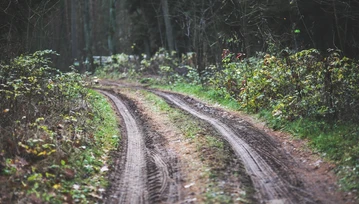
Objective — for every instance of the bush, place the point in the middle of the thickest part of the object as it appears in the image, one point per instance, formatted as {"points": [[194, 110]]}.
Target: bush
{"points": [[305, 84], [45, 121], [163, 63]]}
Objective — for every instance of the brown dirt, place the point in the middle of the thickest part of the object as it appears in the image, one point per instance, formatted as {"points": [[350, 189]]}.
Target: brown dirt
{"points": [[196, 158], [282, 168], [312, 174], [146, 172]]}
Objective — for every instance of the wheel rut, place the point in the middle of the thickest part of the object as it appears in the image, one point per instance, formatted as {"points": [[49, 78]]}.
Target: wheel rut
{"points": [[133, 187], [146, 172], [271, 185], [275, 172]]}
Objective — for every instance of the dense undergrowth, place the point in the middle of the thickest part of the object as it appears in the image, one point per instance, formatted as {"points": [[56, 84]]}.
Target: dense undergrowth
{"points": [[53, 142], [310, 94]]}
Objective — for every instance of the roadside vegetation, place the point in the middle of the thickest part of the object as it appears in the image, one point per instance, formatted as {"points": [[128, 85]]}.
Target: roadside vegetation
{"points": [[54, 143], [310, 94]]}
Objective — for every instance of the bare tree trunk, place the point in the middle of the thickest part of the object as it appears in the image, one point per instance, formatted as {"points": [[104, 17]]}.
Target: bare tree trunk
{"points": [[28, 29], [337, 26], [168, 25], [112, 28], [88, 40], [74, 29], [246, 34]]}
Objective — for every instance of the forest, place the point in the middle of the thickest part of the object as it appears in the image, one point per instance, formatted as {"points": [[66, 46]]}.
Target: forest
{"points": [[81, 29], [291, 63]]}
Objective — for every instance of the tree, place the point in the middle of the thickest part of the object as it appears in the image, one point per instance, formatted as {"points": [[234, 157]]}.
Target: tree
{"points": [[74, 29], [168, 25], [112, 28], [88, 39]]}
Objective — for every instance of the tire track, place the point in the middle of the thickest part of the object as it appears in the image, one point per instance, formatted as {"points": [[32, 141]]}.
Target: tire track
{"points": [[132, 188], [279, 173], [147, 172], [271, 186]]}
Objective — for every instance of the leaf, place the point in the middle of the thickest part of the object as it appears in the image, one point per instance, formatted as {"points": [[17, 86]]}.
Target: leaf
{"points": [[56, 186], [23, 145], [76, 186], [48, 175], [63, 162], [69, 173], [52, 151], [34, 177], [41, 153], [104, 168], [39, 119], [95, 195]]}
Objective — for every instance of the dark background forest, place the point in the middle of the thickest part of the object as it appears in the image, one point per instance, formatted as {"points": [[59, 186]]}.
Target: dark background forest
{"points": [[81, 29]]}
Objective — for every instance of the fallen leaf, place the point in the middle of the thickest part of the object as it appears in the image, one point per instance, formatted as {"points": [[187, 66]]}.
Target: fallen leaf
{"points": [[60, 126], [69, 173], [104, 168], [41, 153], [57, 186], [95, 195], [189, 185], [76, 186]]}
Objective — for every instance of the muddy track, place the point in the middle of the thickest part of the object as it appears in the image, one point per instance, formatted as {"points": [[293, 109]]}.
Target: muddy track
{"points": [[279, 175], [263, 161], [260, 164], [146, 172]]}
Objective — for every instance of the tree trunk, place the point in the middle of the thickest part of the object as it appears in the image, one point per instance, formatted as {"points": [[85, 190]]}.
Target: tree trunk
{"points": [[112, 28], [88, 41], [74, 29], [337, 26], [168, 25]]}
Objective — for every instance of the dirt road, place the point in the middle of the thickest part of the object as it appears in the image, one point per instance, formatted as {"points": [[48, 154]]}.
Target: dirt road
{"points": [[146, 176], [272, 188]]}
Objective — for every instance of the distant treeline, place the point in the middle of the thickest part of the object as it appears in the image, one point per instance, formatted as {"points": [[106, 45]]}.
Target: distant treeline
{"points": [[80, 29]]}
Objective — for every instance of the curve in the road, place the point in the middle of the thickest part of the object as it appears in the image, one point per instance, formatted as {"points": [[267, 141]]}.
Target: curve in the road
{"points": [[132, 187], [271, 187]]}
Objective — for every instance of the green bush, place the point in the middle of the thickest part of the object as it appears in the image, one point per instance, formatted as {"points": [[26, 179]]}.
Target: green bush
{"points": [[305, 84], [163, 63], [46, 129]]}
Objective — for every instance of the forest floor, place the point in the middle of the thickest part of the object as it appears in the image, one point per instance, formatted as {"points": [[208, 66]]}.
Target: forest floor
{"points": [[177, 149]]}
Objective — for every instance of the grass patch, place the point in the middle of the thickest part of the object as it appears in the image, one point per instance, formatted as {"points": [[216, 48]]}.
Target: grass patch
{"points": [[207, 94], [95, 160], [91, 163], [337, 142]]}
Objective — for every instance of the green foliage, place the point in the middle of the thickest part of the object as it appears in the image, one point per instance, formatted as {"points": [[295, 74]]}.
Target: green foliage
{"points": [[305, 93], [163, 63], [121, 65], [338, 142], [304, 84], [48, 122]]}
